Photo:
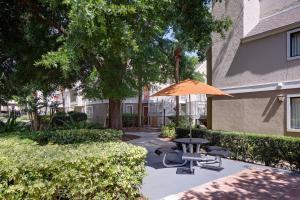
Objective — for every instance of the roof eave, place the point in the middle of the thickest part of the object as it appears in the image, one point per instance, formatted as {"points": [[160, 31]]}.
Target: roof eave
{"points": [[270, 32]]}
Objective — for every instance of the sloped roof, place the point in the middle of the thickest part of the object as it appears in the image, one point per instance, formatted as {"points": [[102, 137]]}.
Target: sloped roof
{"points": [[277, 20]]}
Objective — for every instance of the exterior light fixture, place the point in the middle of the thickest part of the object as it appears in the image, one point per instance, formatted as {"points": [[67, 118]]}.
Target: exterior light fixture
{"points": [[279, 85], [280, 97]]}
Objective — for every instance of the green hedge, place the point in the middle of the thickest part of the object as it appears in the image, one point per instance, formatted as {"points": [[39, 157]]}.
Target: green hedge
{"points": [[74, 136], [269, 150], [129, 120], [88, 170], [61, 119], [77, 116]]}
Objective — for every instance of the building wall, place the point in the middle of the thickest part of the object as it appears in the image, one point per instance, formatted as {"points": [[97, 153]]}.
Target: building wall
{"points": [[259, 112], [134, 107], [269, 7], [235, 64], [256, 62], [224, 48], [99, 113]]}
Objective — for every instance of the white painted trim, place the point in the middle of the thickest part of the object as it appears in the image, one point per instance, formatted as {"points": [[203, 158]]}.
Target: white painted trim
{"points": [[127, 106], [91, 114], [270, 32], [262, 87], [288, 112], [288, 44]]}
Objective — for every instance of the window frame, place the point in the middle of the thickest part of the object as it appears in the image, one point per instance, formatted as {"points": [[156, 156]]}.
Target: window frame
{"points": [[73, 94], [289, 44], [288, 108], [91, 114], [127, 106]]}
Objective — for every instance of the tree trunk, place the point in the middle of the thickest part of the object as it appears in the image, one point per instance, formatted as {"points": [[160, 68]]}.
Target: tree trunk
{"points": [[35, 121], [177, 54], [63, 98], [115, 114], [34, 113], [140, 105]]}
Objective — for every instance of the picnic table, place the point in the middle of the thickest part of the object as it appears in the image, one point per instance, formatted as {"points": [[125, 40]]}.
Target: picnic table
{"points": [[190, 142], [188, 153]]}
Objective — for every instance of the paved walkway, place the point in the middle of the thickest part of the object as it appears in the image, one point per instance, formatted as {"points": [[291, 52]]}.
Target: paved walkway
{"points": [[164, 183], [248, 184]]}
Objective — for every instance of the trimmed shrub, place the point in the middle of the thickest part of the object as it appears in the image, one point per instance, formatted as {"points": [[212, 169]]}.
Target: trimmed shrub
{"points": [[168, 131], [60, 119], [69, 120], [90, 170], [73, 136], [276, 151], [129, 120], [77, 116]]}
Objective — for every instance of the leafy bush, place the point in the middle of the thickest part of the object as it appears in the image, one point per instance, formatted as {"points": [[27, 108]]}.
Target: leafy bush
{"points": [[168, 131], [69, 120], [183, 120], [93, 170], [129, 120], [93, 125], [59, 119], [14, 125], [77, 116], [73, 136], [270, 150], [2, 124]]}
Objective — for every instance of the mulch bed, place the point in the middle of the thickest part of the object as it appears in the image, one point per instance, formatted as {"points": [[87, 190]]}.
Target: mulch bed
{"points": [[128, 137], [141, 129]]}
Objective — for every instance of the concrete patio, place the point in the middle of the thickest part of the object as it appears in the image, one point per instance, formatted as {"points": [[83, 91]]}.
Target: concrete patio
{"points": [[165, 183]]}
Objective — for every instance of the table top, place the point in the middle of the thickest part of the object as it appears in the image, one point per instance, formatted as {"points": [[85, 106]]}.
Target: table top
{"points": [[191, 140]]}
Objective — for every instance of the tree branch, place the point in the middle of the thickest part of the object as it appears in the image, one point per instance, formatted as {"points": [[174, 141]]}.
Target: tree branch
{"points": [[36, 11]]}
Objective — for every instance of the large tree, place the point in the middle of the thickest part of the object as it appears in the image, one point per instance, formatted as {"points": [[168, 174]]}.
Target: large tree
{"points": [[104, 38], [146, 65], [191, 26], [28, 30]]}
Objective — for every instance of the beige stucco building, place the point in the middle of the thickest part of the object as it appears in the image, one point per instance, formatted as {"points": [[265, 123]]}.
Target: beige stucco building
{"points": [[258, 62]]}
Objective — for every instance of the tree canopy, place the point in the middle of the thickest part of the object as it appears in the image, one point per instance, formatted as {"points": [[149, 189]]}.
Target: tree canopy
{"points": [[105, 45]]}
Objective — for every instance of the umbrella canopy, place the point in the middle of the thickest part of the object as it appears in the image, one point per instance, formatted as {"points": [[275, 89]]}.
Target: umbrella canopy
{"points": [[189, 87]]}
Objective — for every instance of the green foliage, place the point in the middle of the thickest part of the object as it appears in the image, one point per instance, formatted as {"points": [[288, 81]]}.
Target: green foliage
{"points": [[182, 122], [60, 119], [28, 30], [168, 131], [129, 120], [257, 148], [77, 116], [73, 136], [69, 120], [12, 124], [187, 69], [111, 170]]}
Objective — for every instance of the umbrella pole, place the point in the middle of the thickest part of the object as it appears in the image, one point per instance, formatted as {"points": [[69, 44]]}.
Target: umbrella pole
{"points": [[190, 115]]}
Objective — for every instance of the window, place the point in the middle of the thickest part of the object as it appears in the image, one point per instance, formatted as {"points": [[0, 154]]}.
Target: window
{"points": [[293, 44], [293, 113], [73, 96], [89, 112], [183, 108], [129, 109]]}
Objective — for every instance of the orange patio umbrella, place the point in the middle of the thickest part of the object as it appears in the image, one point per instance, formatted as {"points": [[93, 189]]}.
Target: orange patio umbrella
{"points": [[188, 87]]}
